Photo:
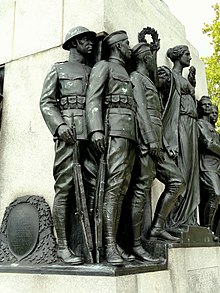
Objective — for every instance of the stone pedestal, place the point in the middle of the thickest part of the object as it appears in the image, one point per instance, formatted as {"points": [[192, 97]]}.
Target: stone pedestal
{"points": [[188, 270]]}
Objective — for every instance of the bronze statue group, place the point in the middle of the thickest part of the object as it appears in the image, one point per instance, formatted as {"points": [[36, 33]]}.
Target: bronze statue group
{"points": [[116, 128]]}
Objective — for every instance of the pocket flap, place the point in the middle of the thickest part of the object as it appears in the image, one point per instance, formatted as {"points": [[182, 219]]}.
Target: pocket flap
{"points": [[70, 76], [121, 77]]}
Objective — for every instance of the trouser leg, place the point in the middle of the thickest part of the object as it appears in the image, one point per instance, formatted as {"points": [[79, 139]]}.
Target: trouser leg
{"points": [[138, 204], [210, 210], [60, 220], [210, 184], [91, 165], [110, 212], [145, 173], [119, 167], [63, 175], [137, 213], [169, 174]]}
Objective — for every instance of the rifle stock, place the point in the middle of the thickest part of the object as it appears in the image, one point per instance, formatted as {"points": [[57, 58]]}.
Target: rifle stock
{"points": [[99, 196], [81, 207]]}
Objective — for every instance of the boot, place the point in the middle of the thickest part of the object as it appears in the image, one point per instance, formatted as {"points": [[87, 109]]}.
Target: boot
{"points": [[138, 203], [142, 254], [209, 216], [109, 218], [160, 233], [124, 255], [112, 256], [163, 208], [63, 252], [66, 254]]}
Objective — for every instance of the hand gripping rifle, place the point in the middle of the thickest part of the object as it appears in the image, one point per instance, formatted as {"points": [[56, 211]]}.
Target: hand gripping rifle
{"points": [[99, 195], [81, 207]]}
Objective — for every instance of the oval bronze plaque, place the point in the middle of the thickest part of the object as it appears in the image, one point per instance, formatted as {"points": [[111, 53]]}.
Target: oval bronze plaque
{"points": [[22, 229]]}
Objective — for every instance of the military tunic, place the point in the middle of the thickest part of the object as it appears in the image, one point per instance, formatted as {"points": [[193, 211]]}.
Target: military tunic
{"points": [[110, 88], [63, 102], [150, 130]]}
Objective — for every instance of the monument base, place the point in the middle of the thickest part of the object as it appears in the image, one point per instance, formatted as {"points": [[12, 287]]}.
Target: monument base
{"points": [[195, 236], [192, 236], [103, 269], [189, 269]]}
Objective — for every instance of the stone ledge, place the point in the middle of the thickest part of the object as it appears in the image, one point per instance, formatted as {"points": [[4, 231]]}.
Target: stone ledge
{"points": [[188, 270], [104, 269]]}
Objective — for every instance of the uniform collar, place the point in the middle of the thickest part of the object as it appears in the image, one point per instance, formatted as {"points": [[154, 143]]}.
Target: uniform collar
{"points": [[117, 60]]}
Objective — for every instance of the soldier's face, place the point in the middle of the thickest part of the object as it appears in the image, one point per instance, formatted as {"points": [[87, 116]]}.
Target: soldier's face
{"points": [[148, 58], [206, 107], [125, 49], [84, 45], [214, 115]]}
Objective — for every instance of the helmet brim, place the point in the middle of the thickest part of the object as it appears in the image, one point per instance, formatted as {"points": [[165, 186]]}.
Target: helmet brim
{"points": [[66, 44]]}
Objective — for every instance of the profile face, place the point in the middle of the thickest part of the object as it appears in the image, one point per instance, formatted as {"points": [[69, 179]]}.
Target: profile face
{"points": [[206, 107], [125, 49], [84, 45], [185, 58], [214, 114], [148, 58]]}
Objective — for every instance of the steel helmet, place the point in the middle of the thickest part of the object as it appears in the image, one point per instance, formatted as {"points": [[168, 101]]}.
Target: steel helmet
{"points": [[75, 32]]}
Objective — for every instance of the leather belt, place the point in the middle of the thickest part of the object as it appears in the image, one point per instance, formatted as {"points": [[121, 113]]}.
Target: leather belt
{"points": [[120, 101], [72, 102]]}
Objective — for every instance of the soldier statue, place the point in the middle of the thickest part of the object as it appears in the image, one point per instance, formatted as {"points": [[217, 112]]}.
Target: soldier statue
{"points": [[110, 97], [63, 108], [152, 159], [209, 152]]}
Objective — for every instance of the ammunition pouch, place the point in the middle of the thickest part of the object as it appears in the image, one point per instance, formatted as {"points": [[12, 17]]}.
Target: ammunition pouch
{"points": [[120, 101], [72, 102]]}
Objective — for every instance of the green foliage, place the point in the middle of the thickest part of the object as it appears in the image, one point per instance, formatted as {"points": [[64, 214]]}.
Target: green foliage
{"points": [[212, 63]]}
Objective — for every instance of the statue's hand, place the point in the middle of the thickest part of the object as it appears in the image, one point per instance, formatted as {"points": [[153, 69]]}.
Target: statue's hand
{"points": [[98, 140], [155, 46], [143, 150], [65, 133], [160, 157], [172, 152], [154, 149]]}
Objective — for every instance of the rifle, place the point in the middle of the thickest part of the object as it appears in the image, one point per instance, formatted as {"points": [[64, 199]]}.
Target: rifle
{"points": [[81, 207], [99, 196]]}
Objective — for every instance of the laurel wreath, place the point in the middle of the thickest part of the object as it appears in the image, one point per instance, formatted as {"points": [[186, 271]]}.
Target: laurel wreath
{"points": [[155, 44]]}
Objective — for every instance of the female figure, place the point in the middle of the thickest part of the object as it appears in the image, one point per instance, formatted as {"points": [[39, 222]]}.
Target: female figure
{"points": [[180, 133]]}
